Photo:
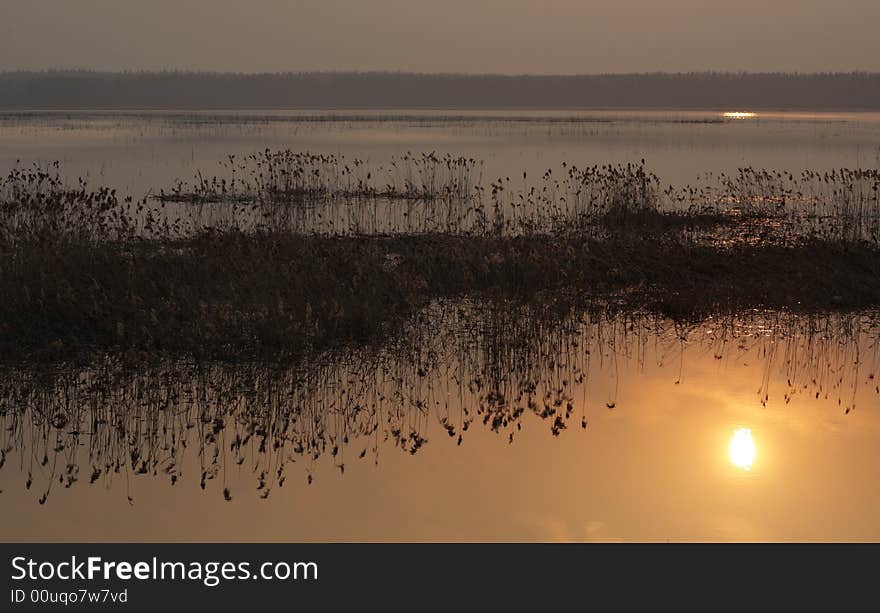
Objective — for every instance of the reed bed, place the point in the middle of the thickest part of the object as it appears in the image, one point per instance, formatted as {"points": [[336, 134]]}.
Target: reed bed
{"points": [[294, 177], [237, 297], [84, 272], [303, 193], [309, 193], [36, 205], [841, 205]]}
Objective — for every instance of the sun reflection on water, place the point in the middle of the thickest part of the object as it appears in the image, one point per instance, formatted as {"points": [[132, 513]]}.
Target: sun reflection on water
{"points": [[739, 115], [742, 449]]}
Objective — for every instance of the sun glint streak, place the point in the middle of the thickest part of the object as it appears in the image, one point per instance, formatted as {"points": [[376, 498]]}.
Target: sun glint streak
{"points": [[739, 115]]}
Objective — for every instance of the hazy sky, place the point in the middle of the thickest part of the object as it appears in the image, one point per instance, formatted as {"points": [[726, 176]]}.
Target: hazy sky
{"points": [[507, 36]]}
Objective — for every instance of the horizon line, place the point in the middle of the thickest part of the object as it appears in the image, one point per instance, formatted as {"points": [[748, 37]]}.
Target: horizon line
{"points": [[195, 72]]}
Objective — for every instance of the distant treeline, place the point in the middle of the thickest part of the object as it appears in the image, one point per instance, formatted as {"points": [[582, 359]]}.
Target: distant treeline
{"points": [[187, 90]]}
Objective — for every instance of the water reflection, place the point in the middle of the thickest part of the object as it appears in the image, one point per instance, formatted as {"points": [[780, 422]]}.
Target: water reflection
{"points": [[742, 449], [609, 390], [739, 115]]}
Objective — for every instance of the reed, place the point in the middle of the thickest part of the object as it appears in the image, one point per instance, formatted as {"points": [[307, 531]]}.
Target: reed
{"points": [[84, 272]]}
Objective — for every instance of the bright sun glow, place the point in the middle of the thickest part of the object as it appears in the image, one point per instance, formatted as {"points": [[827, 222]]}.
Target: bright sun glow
{"points": [[742, 448], [739, 115]]}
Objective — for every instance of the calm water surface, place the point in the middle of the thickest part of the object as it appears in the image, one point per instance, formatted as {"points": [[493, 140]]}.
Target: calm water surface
{"points": [[140, 152]]}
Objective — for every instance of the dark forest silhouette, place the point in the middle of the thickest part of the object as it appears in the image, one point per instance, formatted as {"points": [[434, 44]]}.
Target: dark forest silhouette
{"points": [[187, 90]]}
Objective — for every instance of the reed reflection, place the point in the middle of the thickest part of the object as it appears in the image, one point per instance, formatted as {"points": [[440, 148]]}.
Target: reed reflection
{"points": [[458, 366]]}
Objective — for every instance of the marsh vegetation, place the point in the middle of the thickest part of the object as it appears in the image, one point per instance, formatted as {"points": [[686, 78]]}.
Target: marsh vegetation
{"points": [[295, 252], [297, 306]]}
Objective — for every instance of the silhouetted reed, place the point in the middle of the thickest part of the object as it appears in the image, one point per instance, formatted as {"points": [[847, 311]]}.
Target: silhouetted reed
{"points": [[304, 192], [37, 206], [841, 205], [85, 273]]}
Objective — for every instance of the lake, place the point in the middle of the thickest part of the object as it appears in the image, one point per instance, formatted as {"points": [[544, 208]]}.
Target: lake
{"points": [[478, 420], [142, 152]]}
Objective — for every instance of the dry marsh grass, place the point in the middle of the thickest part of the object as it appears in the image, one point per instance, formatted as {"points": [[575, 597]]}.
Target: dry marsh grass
{"points": [[427, 193], [85, 272]]}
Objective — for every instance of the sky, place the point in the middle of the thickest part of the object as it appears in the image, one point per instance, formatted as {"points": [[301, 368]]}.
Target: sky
{"points": [[471, 36]]}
